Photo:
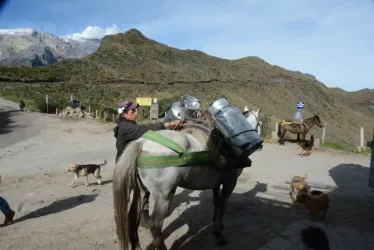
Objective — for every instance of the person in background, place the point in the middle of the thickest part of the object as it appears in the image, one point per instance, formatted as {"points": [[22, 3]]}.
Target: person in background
{"points": [[7, 211], [22, 105], [128, 130]]}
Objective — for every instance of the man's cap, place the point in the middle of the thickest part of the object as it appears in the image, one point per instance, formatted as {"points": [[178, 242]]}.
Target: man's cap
{"points": [[127, 106]]}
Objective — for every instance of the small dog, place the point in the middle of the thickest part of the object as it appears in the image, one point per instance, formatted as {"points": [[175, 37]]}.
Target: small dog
{"points": [[298, 185], [306, 147], [85, 170], [315, 203]]}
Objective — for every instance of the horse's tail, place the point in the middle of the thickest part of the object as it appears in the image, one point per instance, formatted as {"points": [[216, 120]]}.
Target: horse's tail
{"points": [[125, 181]]}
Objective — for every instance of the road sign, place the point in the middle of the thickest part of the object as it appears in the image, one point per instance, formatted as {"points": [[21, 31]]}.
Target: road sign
{"points": [[300, 105], [46, 98], [144, 101]]}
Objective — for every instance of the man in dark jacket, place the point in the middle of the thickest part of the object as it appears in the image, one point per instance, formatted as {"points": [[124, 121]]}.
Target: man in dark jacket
{"points": [[22, 105], [128, 130]]}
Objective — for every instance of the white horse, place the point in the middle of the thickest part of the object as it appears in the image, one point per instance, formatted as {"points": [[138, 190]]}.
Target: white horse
{"points": [[252, 118], [162, 183]]}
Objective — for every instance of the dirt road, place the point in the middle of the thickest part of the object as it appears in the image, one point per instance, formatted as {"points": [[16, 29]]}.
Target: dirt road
{"points": [[35, 150]]}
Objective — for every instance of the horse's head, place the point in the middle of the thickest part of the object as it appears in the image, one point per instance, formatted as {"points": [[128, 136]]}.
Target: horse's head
{"points": [[253, 118], [317, 120]]}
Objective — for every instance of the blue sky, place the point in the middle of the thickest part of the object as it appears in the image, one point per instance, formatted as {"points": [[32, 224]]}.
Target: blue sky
{"points": [[331, 39]]}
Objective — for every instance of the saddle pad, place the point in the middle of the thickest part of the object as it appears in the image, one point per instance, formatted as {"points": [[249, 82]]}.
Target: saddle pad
{"points": [[158, 161], [163, 140], [290, 123]]}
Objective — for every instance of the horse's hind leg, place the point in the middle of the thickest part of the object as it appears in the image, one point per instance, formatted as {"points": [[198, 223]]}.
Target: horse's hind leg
{"points": [[161, 207], [282, 136], [144, 219]]}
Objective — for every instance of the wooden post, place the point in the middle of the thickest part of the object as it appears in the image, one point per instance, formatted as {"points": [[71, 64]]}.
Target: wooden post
{"points": [[316, 143], [323, 133], [89, 110], [276, 127], [97, 114], [113, 118], [362, 138], [105, 115]]}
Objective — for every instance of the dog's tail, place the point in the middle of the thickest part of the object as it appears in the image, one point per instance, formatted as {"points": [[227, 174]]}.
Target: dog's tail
{"points": [[125, 181], [315, 238], [105, 162]]}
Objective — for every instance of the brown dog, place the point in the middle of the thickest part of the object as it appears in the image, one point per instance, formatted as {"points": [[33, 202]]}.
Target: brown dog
{"points": [[85, 170], [315, 203], [298, 185], [307, 146]]}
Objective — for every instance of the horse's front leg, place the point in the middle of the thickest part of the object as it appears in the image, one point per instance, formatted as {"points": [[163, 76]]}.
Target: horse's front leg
{"points": [[221, 209], [216, 200]]}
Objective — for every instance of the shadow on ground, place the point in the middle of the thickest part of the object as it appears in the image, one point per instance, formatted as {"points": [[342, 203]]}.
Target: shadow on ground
{"points": [[6, 121], [250, 222], [58, 206]]}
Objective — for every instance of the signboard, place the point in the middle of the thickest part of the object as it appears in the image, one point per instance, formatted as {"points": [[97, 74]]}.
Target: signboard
{"points": [[154, 111], [300, 105], [46, 98], [144, 101]]}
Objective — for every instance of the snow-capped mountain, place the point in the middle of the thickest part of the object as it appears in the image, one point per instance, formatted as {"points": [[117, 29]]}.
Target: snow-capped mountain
{"points": [[29, 47]]}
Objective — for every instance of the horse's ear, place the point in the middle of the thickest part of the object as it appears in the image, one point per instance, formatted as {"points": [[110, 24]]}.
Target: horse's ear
{"points": [[246, 108], [259, 110]]}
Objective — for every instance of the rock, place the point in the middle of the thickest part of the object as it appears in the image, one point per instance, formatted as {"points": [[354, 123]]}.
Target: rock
{"points": [[73, 113]]}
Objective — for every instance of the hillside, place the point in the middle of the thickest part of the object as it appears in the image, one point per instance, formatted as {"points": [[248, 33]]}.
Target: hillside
{"points": [[28, 47], [128, 65]]}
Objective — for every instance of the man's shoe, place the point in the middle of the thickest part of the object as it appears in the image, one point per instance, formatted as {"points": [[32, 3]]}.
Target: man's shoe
{"points": [[9, 218]]}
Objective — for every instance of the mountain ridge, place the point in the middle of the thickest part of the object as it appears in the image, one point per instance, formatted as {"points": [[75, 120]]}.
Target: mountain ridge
{"points": [[29, 47], [129, 65]]}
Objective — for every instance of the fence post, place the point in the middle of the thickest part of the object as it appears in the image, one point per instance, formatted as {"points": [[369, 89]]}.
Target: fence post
{"points": [[316, 143], [276, 127], [274, 135], [362, 138], [323, 133], [113, 118], [96, 114]]}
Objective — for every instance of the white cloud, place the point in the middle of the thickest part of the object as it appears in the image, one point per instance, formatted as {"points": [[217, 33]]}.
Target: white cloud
{"points": [[95, 32]]}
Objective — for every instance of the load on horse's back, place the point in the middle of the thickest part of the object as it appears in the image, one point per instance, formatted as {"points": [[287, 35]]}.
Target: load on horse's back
{"points": [[199, 157], [301, 127]]}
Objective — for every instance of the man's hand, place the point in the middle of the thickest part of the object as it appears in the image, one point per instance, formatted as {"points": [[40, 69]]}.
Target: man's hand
{"points": [[175, 123]]}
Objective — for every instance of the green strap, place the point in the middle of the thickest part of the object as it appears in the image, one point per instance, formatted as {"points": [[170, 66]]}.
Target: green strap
{"points": [[152, 161], [163, 140]]}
